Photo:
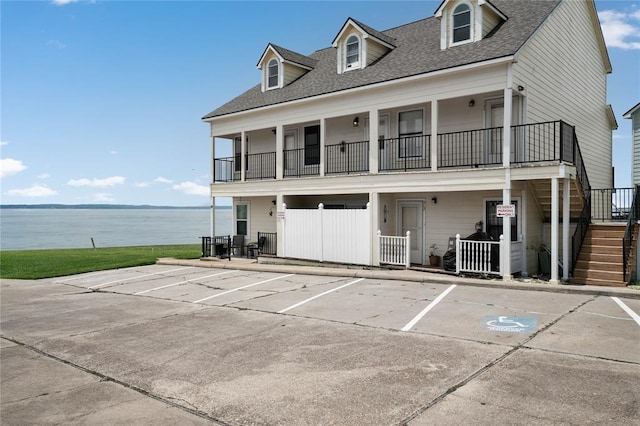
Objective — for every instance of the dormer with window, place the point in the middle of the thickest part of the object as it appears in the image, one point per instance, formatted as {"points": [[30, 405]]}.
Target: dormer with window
{"points": [[281, 66], [466, 21], [358, 46]]}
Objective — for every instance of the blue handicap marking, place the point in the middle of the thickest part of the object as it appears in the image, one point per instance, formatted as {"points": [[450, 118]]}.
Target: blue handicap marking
{"points": [[511, 324]]}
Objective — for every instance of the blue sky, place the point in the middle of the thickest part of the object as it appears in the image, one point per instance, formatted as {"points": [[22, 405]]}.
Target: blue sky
{"points": [[101, 101]]}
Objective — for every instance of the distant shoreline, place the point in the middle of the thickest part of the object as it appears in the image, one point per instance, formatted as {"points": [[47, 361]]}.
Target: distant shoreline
{"points": [[106, 207]]}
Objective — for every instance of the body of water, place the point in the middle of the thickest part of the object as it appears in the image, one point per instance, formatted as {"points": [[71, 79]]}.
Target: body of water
{"points": [[27, 229]]}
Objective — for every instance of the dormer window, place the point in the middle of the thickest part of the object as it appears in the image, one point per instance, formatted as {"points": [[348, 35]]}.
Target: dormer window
{"points": [[461, 24], [273, 74], [352, 52]]}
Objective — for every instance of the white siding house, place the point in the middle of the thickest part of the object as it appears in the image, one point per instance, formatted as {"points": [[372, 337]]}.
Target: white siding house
{"points": [[429, 126]]}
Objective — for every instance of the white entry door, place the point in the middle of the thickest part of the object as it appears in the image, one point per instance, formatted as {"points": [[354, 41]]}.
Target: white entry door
{"points": [[411, 219], [494, 120]]}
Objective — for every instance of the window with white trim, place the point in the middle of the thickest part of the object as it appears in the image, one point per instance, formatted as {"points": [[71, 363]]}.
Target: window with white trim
{"points": [[461, 24], [241, 216], [272, 74], [352, 52]]}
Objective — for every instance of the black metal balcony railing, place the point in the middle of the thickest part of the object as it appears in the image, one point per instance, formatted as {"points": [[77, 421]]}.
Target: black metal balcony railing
{"points": [[530, 143], [261, 166], [405, 153], [611, 204], [301, 162], [270, 244], [351, 157], [470, 148]]}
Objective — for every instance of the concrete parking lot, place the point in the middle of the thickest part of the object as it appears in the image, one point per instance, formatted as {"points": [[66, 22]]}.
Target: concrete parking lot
{"points": [[192, 345]]}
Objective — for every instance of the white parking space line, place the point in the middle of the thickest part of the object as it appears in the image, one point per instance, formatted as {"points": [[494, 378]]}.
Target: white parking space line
{"points": [[243, 287], [318, 295], [184, 282], [437, 300], [627, 309], [83, 276], [138, 277]]}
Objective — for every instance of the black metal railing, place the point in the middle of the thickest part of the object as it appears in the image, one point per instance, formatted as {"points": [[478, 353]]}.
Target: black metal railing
{"points": [[219, 245], [261, 166], [223, 169], [405, 153], [531, 143], [301, 162], [629, 233], [470, 148], [611, 204], [347, 157], [581, 231], [270, 244]]}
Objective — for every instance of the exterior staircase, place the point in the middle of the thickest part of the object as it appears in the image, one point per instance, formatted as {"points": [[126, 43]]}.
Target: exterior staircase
{"points": [[600, 259]]}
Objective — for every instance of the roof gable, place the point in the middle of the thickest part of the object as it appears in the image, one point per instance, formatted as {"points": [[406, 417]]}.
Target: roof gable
{"points": [[366, 32], [632, 111], [286, 55]]}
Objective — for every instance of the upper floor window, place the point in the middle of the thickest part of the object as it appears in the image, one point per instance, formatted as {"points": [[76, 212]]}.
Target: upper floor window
{"points": [[272, 74], [461, 23], [352, 52]]}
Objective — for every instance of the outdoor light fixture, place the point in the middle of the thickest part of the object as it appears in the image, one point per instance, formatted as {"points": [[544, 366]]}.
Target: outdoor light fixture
{"points": [[356, 121], [472, 103], [273, 131], [434, 200], [520, 88], [385, 212]]}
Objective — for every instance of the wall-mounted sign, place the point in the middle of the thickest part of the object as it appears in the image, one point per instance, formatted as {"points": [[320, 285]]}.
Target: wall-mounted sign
{"points": [[506, 210]]}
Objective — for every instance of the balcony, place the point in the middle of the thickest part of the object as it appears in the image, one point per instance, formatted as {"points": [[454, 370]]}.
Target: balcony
{"points": [[530, 143]]}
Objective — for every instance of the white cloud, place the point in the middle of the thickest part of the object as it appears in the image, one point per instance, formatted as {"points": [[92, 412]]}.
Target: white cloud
{"points": [[44, 176], [56, 43], [103, 197], [160, 179], [33, 191], [191, 188], [4, 143], [98, 183], [619, 29], [141, 184], [9, 166], [63, 2]]}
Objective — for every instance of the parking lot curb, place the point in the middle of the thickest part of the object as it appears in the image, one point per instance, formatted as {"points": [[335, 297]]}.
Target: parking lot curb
{"points": [[403, 275]]}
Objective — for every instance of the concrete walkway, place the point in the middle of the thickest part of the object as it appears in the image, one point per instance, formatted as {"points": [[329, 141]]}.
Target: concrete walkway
{"points": [[266, 264]]}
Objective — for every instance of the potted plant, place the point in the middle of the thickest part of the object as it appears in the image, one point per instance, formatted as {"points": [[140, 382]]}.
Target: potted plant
{"points": [[434, 259]]}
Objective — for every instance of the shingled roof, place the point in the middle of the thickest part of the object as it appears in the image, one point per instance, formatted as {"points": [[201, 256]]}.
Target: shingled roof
{"points": [[417, 52], [291, 56]]}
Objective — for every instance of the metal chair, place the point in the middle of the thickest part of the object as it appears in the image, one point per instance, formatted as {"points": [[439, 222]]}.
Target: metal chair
{"points": [[255, 249], [238, 245]]}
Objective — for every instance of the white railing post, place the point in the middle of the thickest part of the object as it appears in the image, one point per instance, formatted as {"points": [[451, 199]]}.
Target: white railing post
{"points": [[504, 257], [380, 254], [458, 254], [320, 212], [407, 251]]}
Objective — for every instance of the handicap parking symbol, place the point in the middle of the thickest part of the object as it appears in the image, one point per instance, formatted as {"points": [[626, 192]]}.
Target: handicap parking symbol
{"points": [[511, 324]]}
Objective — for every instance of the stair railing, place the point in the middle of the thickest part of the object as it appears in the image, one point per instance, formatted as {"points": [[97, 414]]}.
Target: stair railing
{"points": [[575, 155], [629, 233]]}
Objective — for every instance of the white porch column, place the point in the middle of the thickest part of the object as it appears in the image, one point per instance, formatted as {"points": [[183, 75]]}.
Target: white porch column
{"points": [[554, 230], [566, 212], [279, 225], [279, 152], [212, 219], [434, 135], [506, 163], [323, 122], [373, 141], [523, 226], [243, 155], [374, 206]]}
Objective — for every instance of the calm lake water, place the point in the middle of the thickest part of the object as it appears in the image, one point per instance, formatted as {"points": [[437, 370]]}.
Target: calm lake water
{"points": [[23, 229]]}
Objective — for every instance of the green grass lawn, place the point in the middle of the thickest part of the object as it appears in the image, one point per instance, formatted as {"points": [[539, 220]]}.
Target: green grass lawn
{"points": [[36, 264]]}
